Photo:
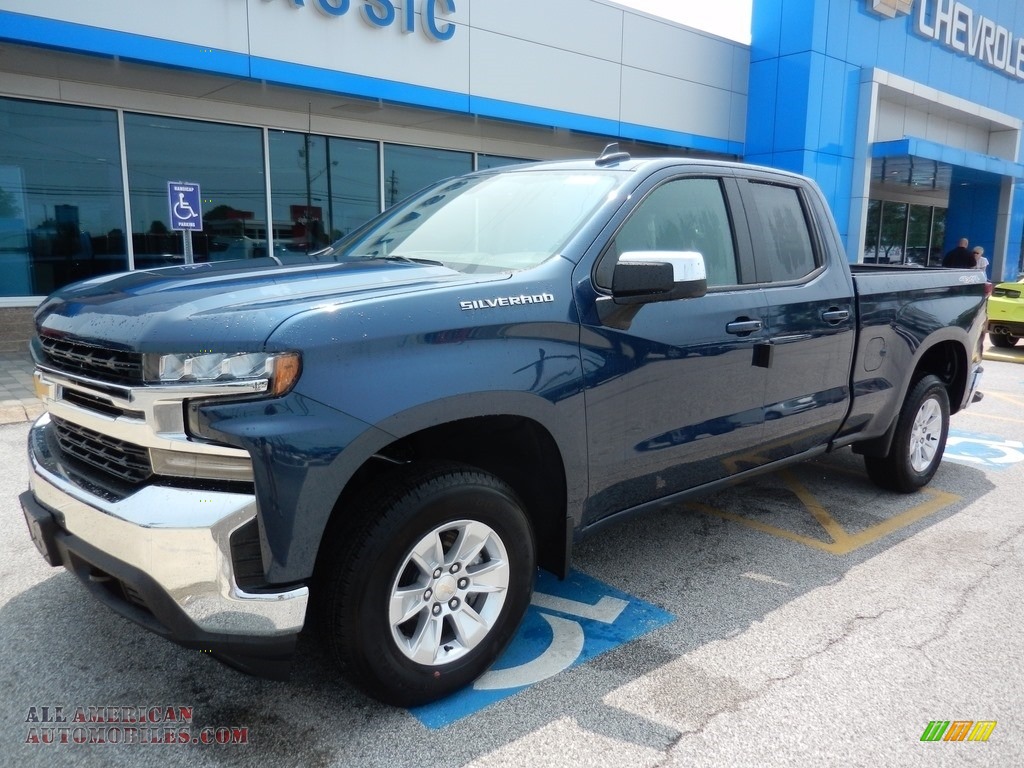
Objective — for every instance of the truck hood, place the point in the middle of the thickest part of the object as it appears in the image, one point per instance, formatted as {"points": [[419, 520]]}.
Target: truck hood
{"points": [[226, 305]]}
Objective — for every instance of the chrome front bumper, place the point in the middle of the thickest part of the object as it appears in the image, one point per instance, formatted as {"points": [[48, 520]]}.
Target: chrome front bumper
{"points": [[179, 538]]}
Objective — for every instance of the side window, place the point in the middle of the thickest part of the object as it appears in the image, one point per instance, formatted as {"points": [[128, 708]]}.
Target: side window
{"points": [[784, 241], [680, 215]]}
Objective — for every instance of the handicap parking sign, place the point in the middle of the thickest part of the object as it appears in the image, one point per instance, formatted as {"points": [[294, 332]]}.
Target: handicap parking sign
{"points": [[568, 623], [183, 197]]}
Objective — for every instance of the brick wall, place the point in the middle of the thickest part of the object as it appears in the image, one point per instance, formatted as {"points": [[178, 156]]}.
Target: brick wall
{"points": [[15, 328]]}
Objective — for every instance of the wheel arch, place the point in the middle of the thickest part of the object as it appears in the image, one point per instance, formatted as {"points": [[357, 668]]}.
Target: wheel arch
{"points": [[514, 446], [947, 359]]}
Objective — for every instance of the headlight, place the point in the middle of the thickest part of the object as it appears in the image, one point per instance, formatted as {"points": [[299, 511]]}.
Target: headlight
{"points": [[280, 370]]}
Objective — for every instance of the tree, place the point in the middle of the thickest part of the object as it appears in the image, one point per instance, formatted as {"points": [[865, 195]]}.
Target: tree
{"points": [[9, 208]]}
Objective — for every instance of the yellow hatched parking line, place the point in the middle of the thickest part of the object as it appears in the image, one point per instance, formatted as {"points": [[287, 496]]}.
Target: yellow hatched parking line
{"points": [[998, 418], [1013, 400], [1010, 356], [842, 542]]}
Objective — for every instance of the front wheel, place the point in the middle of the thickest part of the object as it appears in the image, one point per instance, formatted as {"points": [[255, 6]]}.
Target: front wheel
{"points": [[422, 600], [1003, 340], [920, 439]]}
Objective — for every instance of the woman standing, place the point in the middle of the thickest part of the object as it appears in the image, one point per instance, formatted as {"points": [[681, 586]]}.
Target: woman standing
{"points": [[980, 262]]}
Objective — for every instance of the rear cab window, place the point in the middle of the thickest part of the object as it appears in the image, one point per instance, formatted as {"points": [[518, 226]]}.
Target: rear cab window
{"points": [[785, 245]]}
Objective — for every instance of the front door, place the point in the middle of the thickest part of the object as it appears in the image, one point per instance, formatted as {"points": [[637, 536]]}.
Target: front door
{"points": [[675, 399]]}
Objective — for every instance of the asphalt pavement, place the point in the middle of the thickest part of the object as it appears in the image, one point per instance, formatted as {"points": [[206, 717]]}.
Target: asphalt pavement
{"points": [[804, 618]]}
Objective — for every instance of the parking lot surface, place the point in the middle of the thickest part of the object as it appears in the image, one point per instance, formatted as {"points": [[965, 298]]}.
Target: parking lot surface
{"points": [[803, 618]]}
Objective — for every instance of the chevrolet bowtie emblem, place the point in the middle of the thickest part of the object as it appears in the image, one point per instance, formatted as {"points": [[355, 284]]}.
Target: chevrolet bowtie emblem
{"points": [[891, 8]]}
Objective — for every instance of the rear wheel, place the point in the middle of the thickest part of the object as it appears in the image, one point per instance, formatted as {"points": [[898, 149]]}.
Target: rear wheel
{"points": [[423, 599], [920, 439], [1003, 340]]}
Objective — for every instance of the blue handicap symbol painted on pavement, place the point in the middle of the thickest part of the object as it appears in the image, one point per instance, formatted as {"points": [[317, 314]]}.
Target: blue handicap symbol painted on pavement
{"points": [[987, 451], [568, 623]]}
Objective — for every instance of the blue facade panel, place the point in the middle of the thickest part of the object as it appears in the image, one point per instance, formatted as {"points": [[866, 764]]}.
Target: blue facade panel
{"points": [[851, 104], [762, 97], [792, 109], [940, 65], [800, 36], [862, 44], [765, 30], [837, 29], [895, 53], [973, 206], [1016, 235]]}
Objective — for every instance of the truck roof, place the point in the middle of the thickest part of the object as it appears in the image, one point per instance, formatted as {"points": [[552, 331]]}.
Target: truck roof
{"points": [[622, 161]]}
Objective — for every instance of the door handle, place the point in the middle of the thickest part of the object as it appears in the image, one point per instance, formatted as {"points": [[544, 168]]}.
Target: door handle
{"points": [[835, 315], [742, 327]]}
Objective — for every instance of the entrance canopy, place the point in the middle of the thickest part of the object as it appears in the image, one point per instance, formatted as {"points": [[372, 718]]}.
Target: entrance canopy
{"points": [[923, 164]]}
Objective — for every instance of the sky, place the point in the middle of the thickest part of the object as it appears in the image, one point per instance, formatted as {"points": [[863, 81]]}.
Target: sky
{"points": [[726, 18]]}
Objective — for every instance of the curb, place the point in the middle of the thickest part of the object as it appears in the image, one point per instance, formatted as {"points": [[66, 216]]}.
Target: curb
{"points": [[14, 412]]}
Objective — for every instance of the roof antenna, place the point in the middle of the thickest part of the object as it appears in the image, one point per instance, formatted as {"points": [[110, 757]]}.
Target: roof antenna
{"points": [[611, 155]]}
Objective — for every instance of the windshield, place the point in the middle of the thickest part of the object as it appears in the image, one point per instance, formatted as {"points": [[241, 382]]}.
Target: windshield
{"points": [[502, 222]]}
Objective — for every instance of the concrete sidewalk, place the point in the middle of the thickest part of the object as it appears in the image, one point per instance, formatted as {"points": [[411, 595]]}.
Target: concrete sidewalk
{"points": [[18, 401]]}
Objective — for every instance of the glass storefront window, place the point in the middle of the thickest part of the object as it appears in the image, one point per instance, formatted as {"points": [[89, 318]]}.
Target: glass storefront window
{"points": [[938, 237], [410, 169], [904, 233], [321, 188], [919, 230], [355, 184], [486, 162], [871, 233], [892, 233], [61, 196], [227, 163]]}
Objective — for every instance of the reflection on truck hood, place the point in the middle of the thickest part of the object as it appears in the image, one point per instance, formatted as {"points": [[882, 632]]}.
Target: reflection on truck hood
{"points": [[238, 304]]}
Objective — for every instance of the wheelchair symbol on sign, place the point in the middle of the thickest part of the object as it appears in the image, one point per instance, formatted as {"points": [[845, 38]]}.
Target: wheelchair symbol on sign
{"points": [[566, 645], [183, 208]]}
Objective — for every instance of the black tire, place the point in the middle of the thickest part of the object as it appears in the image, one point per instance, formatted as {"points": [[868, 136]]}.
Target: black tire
{"points": [[361, 573], [1003, 340], [920, 439]]}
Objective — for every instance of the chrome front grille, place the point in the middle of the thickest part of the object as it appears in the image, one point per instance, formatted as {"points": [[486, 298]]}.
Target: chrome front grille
{"points": [[113, 365], [125, 461]]}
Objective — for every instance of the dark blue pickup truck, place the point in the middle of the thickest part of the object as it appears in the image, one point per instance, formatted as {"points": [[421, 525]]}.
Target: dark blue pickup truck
{"points": [[387, 438]]}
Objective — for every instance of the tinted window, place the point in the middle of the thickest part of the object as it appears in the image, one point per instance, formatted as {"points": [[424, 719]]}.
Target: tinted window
{"points": [[322, 188], [227, 163], [486, 162], [61, 197], [407, 170], [784, 243], [355, 184], [681, 215]]}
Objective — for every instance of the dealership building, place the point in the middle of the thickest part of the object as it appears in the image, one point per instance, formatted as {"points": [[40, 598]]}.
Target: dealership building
{"points": [[294, 121]]}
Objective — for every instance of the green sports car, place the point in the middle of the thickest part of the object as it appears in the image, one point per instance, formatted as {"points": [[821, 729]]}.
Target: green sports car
{"points": [[1006, 314]]}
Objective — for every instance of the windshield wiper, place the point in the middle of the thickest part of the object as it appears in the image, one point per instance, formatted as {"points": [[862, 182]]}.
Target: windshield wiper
{"points": [[410, 260]]}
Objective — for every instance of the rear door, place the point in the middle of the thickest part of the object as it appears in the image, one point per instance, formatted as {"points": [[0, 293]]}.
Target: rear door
{"points": [[674, 399], [811, 314]]}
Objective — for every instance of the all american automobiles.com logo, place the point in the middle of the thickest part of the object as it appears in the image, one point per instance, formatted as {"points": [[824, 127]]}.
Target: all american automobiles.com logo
{"points": [[57, 724]]}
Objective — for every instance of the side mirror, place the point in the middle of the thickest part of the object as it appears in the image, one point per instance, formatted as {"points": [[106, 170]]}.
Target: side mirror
{"points": [[642, 277]]}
